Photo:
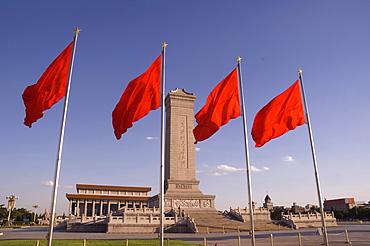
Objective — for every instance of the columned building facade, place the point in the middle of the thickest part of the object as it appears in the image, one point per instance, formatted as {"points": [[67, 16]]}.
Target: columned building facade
{"points": [[99, 200]]}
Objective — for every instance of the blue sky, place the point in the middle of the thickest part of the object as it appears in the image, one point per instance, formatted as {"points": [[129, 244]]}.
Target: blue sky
{"points": [[328, 40]]}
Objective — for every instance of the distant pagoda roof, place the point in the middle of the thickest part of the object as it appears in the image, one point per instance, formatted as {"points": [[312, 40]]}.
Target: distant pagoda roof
{"points": [[267, 197]]}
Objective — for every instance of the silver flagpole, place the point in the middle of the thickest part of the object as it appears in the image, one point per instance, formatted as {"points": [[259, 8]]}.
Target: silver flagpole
{"points": [[164, 46], [325, 235], [60, 148], [246, 151]]}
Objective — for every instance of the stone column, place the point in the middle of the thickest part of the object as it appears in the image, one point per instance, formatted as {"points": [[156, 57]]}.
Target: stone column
{"points": [[85, 208], [78, 207], [181, 187], [70, 207], [180, 149], [93, 208]]}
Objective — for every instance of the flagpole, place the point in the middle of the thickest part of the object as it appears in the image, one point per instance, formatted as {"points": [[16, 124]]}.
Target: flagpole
{"points": [[325, 236], [60, 148], [161, 230], [246, 151]]}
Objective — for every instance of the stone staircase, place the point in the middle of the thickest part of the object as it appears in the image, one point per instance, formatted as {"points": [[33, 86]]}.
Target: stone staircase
{"points": [[212, 221]]}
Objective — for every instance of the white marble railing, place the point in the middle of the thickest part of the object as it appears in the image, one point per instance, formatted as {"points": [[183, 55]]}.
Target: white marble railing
{"points": [[140, 210], [308, 216], [191, 223], [140, 219], [83, 218], [246, 210]]}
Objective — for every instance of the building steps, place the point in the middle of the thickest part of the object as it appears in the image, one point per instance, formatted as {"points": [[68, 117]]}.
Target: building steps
{"points": [[213, 221]]}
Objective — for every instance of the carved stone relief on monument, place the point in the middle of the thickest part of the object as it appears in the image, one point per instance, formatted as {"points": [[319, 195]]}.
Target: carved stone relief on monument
{"points": [[206, 204], [182, 142], [186, 203], [183, 186], [167, 202]]}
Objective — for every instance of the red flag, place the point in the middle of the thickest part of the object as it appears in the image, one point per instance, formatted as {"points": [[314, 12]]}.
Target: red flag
{"points": [[222, 105], [280, 115], [49, 89], [140, 96]]}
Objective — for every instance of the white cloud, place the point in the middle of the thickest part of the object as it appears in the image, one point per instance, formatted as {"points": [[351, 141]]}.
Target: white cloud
{"points": [[68, 186], [197, 149], [255, 169], [47, 183], [198, 171], [151, 138], [213, 173], [229, 169], [226, 170], [288, 158]]}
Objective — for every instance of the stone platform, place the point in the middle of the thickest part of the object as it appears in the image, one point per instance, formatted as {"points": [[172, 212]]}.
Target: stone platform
{"points": [[212, 221]]}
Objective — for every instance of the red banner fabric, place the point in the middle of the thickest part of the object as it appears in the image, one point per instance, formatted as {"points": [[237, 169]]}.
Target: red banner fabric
{"points": [[140, 96], [49, 89], [222, 105], [280, 115]]}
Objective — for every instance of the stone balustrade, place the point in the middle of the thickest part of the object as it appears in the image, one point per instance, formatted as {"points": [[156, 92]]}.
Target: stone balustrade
{"points": [[242, 214], [144, 210], [308, 216], [246, 210], [83, 218], [308, 219], [140, 219]]}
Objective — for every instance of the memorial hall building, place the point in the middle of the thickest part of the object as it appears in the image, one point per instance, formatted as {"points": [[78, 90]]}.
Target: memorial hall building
{"points": [[101, 200]]}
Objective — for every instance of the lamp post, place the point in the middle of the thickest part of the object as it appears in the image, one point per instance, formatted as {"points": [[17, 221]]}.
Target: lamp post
{"points": [[36, 207], [11, 203]]}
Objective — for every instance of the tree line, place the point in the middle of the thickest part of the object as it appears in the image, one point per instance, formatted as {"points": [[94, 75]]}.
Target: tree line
{"points": [[355, 213], [18, 214]]}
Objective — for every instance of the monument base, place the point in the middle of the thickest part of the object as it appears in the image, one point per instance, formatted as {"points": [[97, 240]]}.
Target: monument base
{"points": [[179, 199], [183, 194]]}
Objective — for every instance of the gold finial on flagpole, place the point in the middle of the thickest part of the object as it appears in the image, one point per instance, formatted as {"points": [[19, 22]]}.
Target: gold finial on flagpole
{"points": [[164, 45], [239, 59], [77, 31], [300, 71]]}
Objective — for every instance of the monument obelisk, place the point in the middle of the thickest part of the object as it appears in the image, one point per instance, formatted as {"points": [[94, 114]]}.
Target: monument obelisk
{"points": [[181, 186]]}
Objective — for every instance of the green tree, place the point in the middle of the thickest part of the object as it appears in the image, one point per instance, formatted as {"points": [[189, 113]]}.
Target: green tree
{"points": [[364, 213], [3, 212], [341, 214], [356, 213], [360, 213], [19, 214]]}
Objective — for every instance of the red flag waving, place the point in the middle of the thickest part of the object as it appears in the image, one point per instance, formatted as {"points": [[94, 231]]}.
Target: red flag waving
{"points": [[140, 96], [49, 89], [222, 105], [280, 115]]}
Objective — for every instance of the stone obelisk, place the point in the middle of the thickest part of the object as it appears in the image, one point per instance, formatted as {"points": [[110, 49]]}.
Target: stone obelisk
{"points": [[181, 186]]}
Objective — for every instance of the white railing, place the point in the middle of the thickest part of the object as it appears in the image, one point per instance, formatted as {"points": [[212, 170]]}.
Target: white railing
{"points": [[140, 219], [308, 216]]}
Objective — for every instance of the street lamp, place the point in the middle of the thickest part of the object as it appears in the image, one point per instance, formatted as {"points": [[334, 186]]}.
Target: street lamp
{"points": [[36, 207], [11, 203]]}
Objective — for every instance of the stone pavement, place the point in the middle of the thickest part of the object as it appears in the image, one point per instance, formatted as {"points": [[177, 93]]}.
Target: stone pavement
{"points": [[358, 235]]}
